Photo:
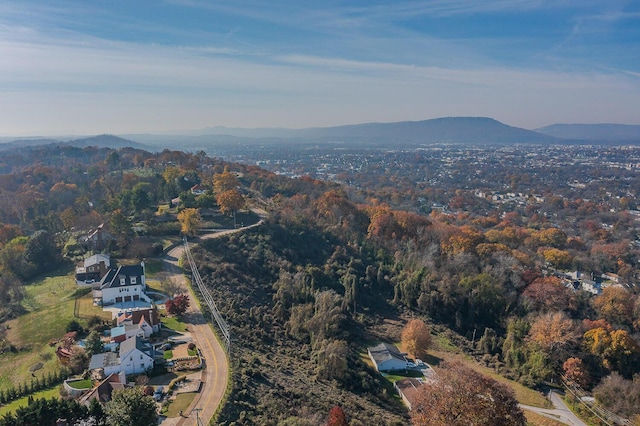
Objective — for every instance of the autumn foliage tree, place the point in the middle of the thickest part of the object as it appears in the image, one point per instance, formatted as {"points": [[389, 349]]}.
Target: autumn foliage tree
{"points": [[553, 331], [575, 371], [225, 181], [230, 201], [178, 305], [189, 221], [461, 396], [416, 338], [617, 349], [337, 417]]}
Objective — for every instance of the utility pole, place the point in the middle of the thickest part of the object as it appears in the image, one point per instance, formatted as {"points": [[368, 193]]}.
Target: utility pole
{"points": [[197, 410]]}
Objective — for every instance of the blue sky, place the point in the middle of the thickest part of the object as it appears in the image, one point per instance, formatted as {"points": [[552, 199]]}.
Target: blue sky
{"points": [[87, 67]]}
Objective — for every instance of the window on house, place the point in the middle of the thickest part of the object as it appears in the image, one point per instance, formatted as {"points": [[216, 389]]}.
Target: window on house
{"points": [[133, 280], [122, 281]]}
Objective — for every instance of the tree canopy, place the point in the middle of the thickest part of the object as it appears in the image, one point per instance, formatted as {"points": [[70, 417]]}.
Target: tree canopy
{"points": [[131, 407], [461, 396]]}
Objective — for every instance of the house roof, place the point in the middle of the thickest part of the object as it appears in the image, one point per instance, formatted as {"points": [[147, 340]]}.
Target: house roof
{"points": [[102, 392], [106, 359], [135, 342], [117, 331], [113, 278], [384, 352], [150, 315], [408, 387], [96, 259]]}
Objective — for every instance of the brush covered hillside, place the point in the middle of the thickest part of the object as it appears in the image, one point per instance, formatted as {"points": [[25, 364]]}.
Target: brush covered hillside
{"points": [[334, 269]]}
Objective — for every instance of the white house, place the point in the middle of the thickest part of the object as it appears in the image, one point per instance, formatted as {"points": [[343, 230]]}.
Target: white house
{"points": [[135, 356], [125, 284], [387, 357]]}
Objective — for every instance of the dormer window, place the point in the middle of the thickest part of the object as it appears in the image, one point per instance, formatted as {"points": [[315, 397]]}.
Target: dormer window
{"points": [[122, 281], [133, 280]]}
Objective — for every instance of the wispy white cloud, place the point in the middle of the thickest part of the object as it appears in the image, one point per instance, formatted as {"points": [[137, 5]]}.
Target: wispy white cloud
{"points": [[361, 66]]}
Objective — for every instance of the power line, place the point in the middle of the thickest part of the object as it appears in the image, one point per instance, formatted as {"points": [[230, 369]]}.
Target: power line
{"points": [[206, 296]]}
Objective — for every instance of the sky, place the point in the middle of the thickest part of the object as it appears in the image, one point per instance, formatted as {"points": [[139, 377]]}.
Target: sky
{"points": [[79, 67]]}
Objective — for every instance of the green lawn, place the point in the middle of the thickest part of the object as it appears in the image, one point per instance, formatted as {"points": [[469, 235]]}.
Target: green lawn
{"points": [[181, 402], [152, 267], [174, 324], [81, 384], [167, 354], [22, 402], [49, 311], [399, 375]]}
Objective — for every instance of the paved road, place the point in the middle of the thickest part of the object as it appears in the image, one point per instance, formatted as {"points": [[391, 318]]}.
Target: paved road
{"points": [[216, 364], [216, 370], [560, 413]]}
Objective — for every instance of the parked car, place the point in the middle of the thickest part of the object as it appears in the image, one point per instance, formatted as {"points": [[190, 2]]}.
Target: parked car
{"points": [[157, 395]]}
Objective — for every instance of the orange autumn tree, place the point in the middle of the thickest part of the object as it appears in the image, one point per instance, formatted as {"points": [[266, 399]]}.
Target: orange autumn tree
{"points": [[416, 338]]}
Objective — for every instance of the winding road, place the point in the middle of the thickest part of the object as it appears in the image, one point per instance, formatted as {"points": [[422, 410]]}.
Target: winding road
{"points": [[560, 412], [216, 372]]}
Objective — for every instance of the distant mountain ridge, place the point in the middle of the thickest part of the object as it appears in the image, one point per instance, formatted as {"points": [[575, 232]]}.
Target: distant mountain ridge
{"points": [[605, 132], [105, 141], [439, 130], [457, 130], [403, 134], [100, 141]]}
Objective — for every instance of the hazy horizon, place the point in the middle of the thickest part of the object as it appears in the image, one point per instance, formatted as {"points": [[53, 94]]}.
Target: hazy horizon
{"points": [[75, 68]]}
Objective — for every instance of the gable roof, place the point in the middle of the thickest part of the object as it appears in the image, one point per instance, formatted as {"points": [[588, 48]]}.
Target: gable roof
{"points": [[384, 352], [102, 392], [113, 277], [135, 342]]}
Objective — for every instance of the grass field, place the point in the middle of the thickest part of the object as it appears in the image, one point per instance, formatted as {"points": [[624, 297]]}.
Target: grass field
{"points": [[87, 310], [535, 419], [22, 402], [49, 311]]}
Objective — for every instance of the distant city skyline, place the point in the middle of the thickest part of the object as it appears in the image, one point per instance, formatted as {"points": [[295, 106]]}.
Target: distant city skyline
{"points": [[77, 67]]}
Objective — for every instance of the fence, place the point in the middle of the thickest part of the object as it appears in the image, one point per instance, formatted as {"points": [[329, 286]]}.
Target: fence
{"points": [[206, 296]]}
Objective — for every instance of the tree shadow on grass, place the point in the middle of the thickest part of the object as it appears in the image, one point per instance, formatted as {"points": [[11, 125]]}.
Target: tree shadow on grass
{"points": [[432, 360]]}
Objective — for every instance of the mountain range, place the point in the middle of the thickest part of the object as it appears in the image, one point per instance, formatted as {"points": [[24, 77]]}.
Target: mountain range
{"points": [[405, 134]]}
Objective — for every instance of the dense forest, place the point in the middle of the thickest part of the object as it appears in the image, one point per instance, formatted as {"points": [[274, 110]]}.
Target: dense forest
{"points": [[311, 288]]}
